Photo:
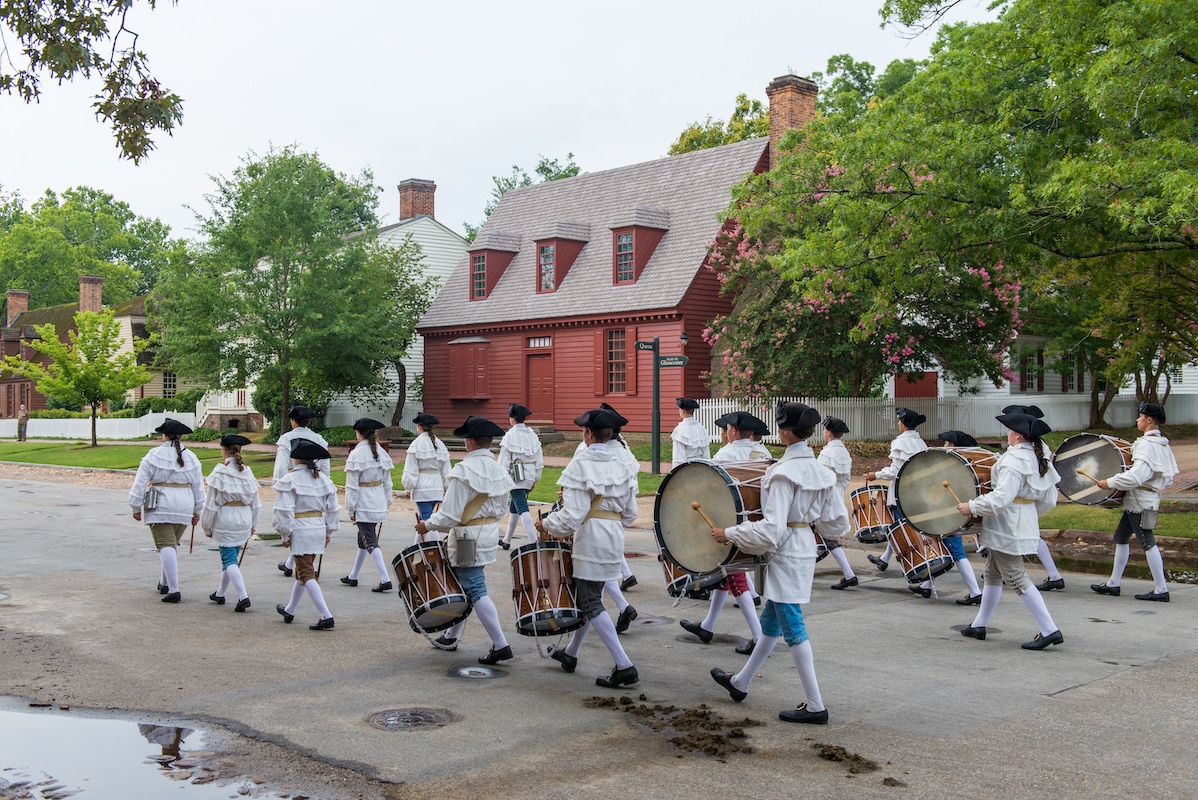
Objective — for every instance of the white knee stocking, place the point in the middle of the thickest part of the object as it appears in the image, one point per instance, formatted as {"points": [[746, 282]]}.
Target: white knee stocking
{"points": [[529, 528], [1122, 553], [576, 640], [752, 588], [170, 567], [967, 575], [718, 596], [1157, 565], [512, 519], [744, 678], [805, 663], [842, 561], [456, 631], [313, 589], [297, 591], [359, 560], [380, 565], [1035, 604], [290, 562], [233, 575], [607, 632], [1045, 556], [625, 570], [750, 613], [488, 615], [613, 591], [887, 553], [990, 596], [224, 583]]}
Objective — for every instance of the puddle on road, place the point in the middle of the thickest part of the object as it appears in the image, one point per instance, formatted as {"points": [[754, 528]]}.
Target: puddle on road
{"points": [[53, 754]]}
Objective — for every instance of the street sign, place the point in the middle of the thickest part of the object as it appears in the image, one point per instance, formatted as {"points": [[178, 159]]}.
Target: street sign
{"points": [[644, 345], [672, 361]]}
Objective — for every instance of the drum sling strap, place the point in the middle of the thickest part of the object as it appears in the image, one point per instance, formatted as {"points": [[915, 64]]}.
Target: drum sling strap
{"points": [[471, 508], [596, 513]]}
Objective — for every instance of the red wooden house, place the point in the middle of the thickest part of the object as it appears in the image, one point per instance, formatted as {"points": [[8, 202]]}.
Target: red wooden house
{"points": [[565, 277]]}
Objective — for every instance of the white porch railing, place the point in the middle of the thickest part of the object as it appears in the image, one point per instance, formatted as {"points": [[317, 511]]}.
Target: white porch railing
{"points": [[216, 401]]}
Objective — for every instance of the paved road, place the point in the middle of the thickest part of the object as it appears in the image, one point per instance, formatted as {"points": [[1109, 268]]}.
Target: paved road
{"points": [[1112, 711]]}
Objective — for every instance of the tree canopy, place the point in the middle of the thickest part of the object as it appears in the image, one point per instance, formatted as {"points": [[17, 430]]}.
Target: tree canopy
{"points": [[547, 169], [750, 119], [67, 39]]}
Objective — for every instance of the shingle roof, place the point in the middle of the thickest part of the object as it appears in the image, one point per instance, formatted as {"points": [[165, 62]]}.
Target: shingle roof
{"points": [[63, 317], [683, 194]]}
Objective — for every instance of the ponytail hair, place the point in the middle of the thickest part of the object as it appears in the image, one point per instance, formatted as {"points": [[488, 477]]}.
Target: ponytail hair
{"points": [[1038, 446], [432, 435], [311, 463], [174, 439], [236, 451], [374, 448]]}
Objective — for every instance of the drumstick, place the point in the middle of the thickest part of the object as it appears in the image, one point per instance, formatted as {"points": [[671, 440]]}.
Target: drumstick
{"points": [[418, 533], [191, 547], [695, 505], [1084, 474], [950, 491]]}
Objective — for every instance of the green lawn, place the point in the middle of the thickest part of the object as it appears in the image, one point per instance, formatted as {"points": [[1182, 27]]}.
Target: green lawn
{"points": [[1070, 516], [122, 456]]}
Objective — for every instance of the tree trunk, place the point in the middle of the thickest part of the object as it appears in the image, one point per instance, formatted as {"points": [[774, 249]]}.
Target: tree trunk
{"points": [[94, 443], [401, 376]]}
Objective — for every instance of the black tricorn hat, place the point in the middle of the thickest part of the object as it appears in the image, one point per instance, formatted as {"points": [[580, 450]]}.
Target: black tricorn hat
{"points": [[307, 450], [172, 427], [1154, 411], [620, 420], [233, 440], [723, 420], [744, 421], [518, 412], [1031, 411], [598, 418], [425, 419], [1025, 424], [910, 417], [478, 428], [836, 425], [301, 413], [687, 403], [796, 416], [958, 438], [367, 424]]}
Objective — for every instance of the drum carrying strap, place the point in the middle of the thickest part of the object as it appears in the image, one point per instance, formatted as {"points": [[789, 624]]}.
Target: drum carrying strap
{"points": [[473, 507], [596, 513], [306, 514], [366, 484], [798, 524], [1023, 501]]}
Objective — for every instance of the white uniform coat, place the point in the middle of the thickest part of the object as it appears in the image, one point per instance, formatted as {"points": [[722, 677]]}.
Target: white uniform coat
{"points": [[691, 441], [522, 444], [1018, 495], [905, 445], [283, 460], [176, 505], [1152, 469], [835, 456], [740, 450], [425, 469], [795, 489], [598, 548], [477, 473], [368, 503], [298, 491], [230, 526]]}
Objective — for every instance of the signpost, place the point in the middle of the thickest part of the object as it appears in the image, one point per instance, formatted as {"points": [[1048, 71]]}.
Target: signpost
{"points": [[659, 361]]}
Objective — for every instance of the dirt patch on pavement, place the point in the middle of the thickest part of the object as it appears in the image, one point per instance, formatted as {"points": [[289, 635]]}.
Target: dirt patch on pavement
{"points": [[856, 763], [696, 730]]}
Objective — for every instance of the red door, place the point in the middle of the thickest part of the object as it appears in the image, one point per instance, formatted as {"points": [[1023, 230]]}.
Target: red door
{"points": [[926, 386], [540, 387]]}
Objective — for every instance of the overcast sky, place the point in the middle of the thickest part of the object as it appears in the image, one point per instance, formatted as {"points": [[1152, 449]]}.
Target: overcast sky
{"points": [[454, 92]]}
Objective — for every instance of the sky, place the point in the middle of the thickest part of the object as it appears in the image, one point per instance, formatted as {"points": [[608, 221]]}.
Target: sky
{"points": [[453, 92]]}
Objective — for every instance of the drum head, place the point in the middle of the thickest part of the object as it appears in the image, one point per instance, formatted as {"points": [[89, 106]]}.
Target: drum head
{"points": [[684, 536], [928, 505], [440, 613], [1097, 456]]}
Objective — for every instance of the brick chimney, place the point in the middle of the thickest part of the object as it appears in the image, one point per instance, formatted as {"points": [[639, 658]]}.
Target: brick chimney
{"points": [[792, 105], [90, 289], [18, 302], [416, 198]]}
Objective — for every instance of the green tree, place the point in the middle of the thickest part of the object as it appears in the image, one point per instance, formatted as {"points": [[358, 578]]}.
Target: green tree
{"points": [[292, 287], [66, 39], [750, 119], [90, 367], [547, 169]]}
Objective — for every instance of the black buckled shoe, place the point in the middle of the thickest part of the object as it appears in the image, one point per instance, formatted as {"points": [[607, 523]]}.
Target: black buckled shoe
{"points": [[1050, 583], [283, 612], [974, 633], [216, 598], [505, 545], [495, 656], [845, 583], [173, 597], [628, 583], [970, 600], [626, 618], [286, 570], [325, 624], [242, 605], [879, 563], [163, 588], [725, 680], [698, 630], [348, 581], [618, 678], [1160, 597], [443, 642], [385, 586], [1041, 641], [569, 663], [747, 648], [1102, 588], [804, 714], [924, 592]]}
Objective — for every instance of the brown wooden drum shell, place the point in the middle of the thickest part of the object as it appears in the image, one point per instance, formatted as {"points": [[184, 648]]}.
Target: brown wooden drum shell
{"points": [[429, 588], [543, 590], [871, 516], [921, 557]]}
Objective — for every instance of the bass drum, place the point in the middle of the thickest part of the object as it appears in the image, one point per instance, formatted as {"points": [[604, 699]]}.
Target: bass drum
{"points": [[929, 506], [729, 493], [1088, 457]]}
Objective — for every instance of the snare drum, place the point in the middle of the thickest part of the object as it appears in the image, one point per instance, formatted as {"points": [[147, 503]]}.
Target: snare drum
{"points": [[923, 498], [429, 588], [1100, 457], [871, 515], [543, 590], [730, 493], [921, 557], [821, 549]]}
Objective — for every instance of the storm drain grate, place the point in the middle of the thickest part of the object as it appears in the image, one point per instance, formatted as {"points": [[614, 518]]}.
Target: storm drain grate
{"points": [[402, 719]]}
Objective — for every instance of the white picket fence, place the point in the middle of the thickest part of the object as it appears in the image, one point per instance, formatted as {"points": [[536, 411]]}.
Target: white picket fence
{"points": [[81, 429]]}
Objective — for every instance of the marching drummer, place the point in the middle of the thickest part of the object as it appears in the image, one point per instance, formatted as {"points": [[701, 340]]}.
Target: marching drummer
{"points": [[956, 548], [836, 457], [740, 426], [367, 499], [598, 500], [796, 493], [905, 445], [306, 515], [299, 418], [425, 467], [1152, 469], [690, 441], [1054, 580], [475, 497], [520, 456], [1023, 486]]}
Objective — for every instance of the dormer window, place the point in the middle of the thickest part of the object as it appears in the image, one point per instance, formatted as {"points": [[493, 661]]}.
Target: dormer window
{"points": [[634, 237], [489, 257], [545, 268], [625, 267], [478, 276], [558, 246]]}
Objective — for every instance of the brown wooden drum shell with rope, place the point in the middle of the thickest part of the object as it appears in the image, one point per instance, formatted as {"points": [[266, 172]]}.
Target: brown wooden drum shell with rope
{"points": [[429, 588], [929, 506]]}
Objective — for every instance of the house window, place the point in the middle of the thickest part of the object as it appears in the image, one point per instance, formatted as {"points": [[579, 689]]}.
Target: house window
{"points": [[540, 341], [170, 384], [1031, 371], [468, 370], [545, 262], [625, 266], [1069, 374], [478, 276], [617, 371]]}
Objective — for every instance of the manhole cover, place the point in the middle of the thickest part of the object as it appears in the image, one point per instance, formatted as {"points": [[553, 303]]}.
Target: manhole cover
{"points": [[475, 673], [402, 719]]}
